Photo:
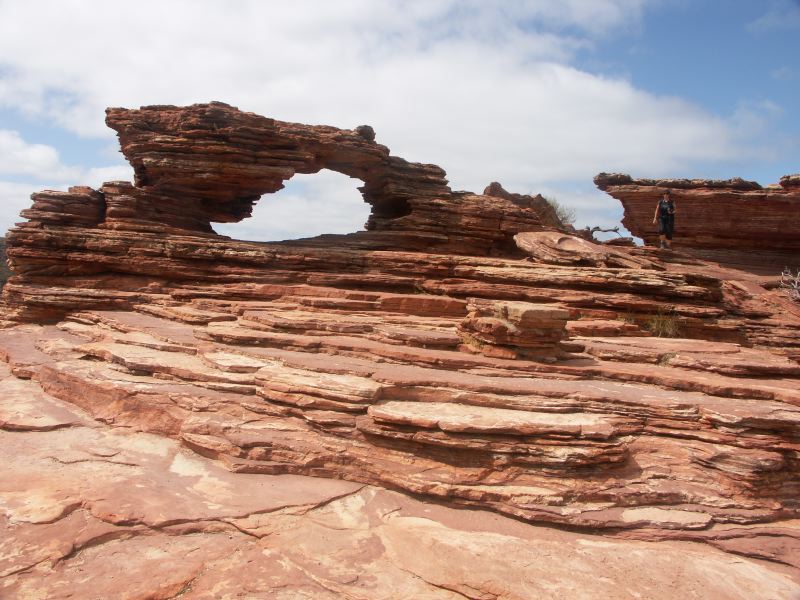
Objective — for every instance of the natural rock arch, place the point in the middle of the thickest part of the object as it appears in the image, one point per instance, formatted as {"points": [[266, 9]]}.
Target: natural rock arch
{"points": [[211, 162], [225, 159]]}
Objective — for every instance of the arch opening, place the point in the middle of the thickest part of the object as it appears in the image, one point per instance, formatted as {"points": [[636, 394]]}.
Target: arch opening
{"points": [[309, 205]]}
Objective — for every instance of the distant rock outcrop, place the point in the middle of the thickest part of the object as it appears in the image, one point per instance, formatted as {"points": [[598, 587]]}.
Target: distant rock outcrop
{"points": [[735, 222]]}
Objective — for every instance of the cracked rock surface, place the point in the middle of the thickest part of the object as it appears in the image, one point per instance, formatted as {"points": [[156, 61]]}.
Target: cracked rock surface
{"points": [[94, 511]]}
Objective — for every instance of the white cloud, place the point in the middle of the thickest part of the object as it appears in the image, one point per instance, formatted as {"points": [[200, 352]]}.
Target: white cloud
{"points": [[593, 207], [18, 157], [40, 167], [484, 88], [325, 202], [781, 15], [784, 73], [43, 163], [96, 176], [14, 197], [547, 123]]}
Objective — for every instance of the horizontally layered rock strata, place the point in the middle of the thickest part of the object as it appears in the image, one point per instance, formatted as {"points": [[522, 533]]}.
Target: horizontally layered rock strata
{"points": [[515, 329], [735, 222], [464, 350], [173, 151]]}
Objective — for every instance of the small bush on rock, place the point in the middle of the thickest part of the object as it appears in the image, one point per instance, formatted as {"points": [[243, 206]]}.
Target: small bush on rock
{"points": [[663, 324], [566, 214], [790, 282]]}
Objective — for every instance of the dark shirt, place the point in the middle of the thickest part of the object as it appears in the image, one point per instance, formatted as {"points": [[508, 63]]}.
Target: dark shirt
{"points": [[666, 208]]}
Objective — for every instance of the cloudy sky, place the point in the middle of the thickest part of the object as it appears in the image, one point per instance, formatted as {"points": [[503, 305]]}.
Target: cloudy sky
{"points": [[536, 94]]}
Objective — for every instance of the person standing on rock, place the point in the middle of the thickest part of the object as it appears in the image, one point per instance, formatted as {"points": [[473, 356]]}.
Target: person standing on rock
{"points": [[665, 215]]}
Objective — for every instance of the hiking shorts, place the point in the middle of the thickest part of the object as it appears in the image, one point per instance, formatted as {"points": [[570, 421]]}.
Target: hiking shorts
{"points": [[666, 226]]}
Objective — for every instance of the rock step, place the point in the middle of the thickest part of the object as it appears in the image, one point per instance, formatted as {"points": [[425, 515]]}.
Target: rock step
{"points": [[378, 281], [782, 389], [240, 335], [421, 304], [169, 330], [24, 406], [421, 460], [686, 413], [464, 418], [411, 304], [547, 456], [22, 347], [156, 362], [423, 338], [94, 333], [334, 303], [678, 413], [638, 307], [283, 380], [676, 381], [715, 357], [412, 382], [301, 322], [421, 332], [603, 328], [234, 363], [658, 283], [185, 314]]}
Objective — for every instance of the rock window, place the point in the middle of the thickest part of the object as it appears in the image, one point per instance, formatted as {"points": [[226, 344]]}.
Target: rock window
{"points": [[309, 205]]}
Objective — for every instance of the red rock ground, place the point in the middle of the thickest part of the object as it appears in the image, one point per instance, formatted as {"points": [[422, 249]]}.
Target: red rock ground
{"points": [[454, 404]]}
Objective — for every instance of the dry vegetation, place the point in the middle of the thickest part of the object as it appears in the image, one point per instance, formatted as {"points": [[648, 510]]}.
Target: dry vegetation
{"points": [[790, 282]]}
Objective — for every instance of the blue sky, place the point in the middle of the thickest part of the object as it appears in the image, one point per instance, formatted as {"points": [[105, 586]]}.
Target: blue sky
{"points": [[735, 58], [538, 95]]}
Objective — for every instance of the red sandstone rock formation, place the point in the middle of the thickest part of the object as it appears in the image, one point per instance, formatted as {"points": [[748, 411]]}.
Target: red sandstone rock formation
{"points": [[212, 377], [735, 222], [173, 150], [559, 248], [514, 329], [546, 212]]}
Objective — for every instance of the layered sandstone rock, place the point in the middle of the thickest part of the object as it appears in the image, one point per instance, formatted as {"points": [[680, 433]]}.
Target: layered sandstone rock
{"points": [[538, 203], [95, 511], [514, 329], [459, 351], [174, 149], [559, 248], [5, 272], [735, 222]]}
